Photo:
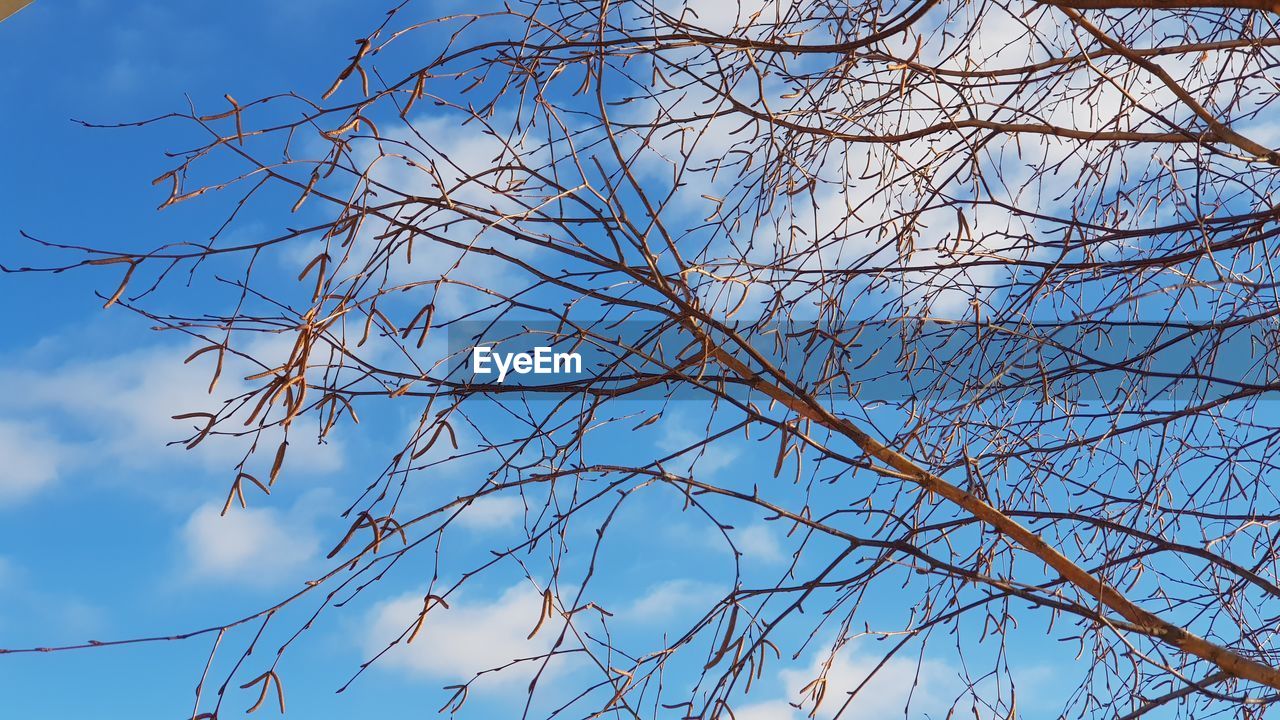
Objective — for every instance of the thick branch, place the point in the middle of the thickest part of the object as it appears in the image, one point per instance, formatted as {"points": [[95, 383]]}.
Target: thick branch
{"points": [[1154, 626]]}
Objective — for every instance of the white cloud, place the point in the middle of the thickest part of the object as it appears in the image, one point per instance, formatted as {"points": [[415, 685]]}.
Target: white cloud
{"points": [[445, 161], [671, 598], [771, 710], [899, 689], [124, 401], [33, 460], [680, 432], [470, 636], [730, 17], [119, 409], [253, 546], [8, 572], [758, 542], [926, 689], [492, 512], [43, 616]]}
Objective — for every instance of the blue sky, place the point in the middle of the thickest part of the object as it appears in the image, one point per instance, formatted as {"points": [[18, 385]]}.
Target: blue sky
{"points": [[107, 534], [102, 548]]}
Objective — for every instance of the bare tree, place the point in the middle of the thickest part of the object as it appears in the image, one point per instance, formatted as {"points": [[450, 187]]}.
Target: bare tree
{"points": [[994, 282]]}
